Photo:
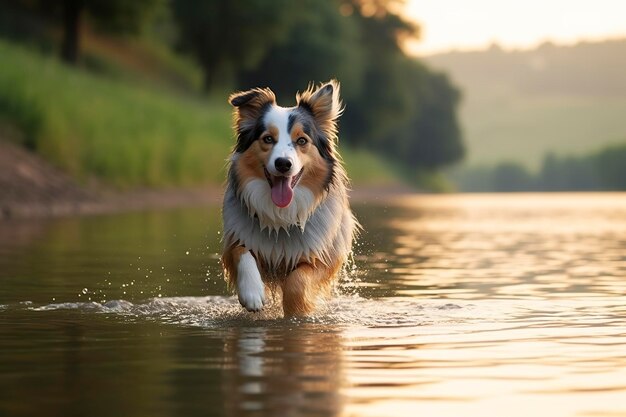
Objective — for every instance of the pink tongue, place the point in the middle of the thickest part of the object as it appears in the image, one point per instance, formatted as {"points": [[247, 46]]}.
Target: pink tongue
{"points": [[281, 191]]}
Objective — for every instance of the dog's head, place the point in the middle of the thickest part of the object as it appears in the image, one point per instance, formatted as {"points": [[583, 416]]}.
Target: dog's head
{"points": [[287, 148]]}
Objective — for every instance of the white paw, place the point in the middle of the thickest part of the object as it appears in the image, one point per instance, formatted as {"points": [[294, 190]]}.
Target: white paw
{"points": [[250, 287]]}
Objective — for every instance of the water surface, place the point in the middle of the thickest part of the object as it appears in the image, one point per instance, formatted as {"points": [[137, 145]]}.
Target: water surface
{"points": [[455, 305]]}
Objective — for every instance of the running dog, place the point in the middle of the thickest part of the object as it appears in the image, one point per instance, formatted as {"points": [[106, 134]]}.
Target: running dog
{"points": [[287, 221]]}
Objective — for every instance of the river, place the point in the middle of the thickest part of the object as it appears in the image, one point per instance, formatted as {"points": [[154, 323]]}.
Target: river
{"points": [[455, 305]]}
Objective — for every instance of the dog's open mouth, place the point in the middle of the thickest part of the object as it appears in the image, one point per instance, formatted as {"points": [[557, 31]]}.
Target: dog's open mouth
{"points": [[282, 187]]}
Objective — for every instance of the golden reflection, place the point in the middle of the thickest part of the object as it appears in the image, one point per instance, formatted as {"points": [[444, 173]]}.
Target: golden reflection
{"points": [[504, 246], [283, 371], [465, 306], [541, 330]]}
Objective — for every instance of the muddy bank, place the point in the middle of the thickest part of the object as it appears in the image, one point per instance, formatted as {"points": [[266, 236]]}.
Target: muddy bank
{"points": [[31, 187]]}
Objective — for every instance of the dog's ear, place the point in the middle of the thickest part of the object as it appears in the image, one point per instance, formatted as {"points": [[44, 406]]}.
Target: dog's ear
{"points": [[324, 104], [251, 97], [249, 105]]}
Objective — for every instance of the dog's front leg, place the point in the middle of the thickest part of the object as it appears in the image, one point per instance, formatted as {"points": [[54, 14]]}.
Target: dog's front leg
{"points": [[304, 286], [247, 279]]}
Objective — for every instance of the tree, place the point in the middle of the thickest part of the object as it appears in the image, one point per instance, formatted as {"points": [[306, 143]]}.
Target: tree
{"points": [[320, 44], [432, 138], [510, 176], [610, 163], [72, 15], [230, 35], [113, 16], [394, 104], [385, 102]]}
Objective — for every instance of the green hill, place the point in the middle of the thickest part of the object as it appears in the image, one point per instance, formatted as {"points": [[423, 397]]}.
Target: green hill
{"points": [[121, 132], [518, 105]]}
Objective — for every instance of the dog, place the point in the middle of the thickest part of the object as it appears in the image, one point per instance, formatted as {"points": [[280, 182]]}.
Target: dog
{"points": [[288, 226]]}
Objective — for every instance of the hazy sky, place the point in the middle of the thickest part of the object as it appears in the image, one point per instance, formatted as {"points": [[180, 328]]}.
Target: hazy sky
{"points": [[474, 24]]}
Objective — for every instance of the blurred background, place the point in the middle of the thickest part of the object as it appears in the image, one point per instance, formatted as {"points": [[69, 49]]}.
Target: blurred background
{"points": [[440, 95]]}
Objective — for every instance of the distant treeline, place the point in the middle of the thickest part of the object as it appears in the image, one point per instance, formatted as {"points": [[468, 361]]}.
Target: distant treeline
{"points": [[395, 105], [603, 170], [587, 68]]}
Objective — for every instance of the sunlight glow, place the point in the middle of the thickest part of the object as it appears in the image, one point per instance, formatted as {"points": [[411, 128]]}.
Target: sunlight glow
{"points": [[463, 25]]}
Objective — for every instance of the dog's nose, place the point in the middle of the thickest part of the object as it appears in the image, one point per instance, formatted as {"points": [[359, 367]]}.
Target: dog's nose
{"points": [[283, 165]]}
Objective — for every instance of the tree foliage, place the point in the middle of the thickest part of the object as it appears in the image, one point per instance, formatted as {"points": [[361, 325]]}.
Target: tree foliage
{"points": [[227, 36], [602, 170], [112, 16], [394, 104], [610, 164]]}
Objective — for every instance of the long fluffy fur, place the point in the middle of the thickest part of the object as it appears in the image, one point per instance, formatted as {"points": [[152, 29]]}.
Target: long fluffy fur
{"points": [[298, 248]]}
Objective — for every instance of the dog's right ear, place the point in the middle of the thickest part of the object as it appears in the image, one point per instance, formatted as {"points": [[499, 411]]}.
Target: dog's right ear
{"points": [[241, 98], [249, 106]]}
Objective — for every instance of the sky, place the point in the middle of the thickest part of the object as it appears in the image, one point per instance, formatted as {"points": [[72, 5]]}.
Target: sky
{"points": [[513, 24]]}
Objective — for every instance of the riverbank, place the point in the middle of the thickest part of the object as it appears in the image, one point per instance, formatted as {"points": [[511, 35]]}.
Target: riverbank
{"points": [[30, 187]]}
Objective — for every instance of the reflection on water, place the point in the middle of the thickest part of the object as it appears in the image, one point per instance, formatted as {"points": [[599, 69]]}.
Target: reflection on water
{"points": [[458, 305]]}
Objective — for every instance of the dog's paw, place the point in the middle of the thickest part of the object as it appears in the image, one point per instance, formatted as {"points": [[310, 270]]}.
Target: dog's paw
{"points": [[250, 287]]}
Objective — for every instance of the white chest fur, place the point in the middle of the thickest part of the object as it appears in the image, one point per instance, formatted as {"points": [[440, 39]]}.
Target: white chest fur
{"points": [[291, 235]]}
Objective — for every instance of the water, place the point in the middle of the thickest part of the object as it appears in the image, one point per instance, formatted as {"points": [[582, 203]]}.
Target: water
{"points": [[507, 305]]}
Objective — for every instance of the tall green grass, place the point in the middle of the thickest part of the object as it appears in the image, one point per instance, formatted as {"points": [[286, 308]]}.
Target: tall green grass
{"points": [[125, 135], [96, 127]]}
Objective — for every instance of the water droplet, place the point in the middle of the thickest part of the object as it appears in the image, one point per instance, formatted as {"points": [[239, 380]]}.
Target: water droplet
{"points": [[85, 290], [187, 253]]}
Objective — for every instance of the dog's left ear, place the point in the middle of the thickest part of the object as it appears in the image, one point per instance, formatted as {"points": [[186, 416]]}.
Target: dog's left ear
{"points": [[324, 104]]}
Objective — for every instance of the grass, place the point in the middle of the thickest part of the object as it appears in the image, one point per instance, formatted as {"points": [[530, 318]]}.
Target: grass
{"points": [[96, 127], [366, 169], [140, 60], [123, 134]]}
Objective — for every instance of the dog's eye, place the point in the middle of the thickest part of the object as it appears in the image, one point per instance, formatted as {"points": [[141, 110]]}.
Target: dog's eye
{"points": [[301, 141], [268, 139]]}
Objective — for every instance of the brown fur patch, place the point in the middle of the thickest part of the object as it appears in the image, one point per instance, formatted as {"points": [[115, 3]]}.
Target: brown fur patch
{"points": [[316, 170], [305, 285], [324, 103], [230, 260], [273, 132], [250, 163]]}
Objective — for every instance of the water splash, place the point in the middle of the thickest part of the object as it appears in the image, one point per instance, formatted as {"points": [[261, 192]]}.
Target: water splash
{"points": [[217, 311]]}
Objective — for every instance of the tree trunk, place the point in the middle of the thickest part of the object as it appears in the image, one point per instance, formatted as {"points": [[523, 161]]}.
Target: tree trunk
{"points": [[72, 11]]}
